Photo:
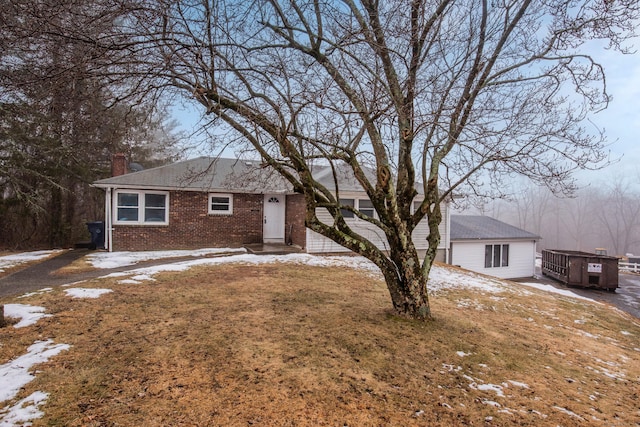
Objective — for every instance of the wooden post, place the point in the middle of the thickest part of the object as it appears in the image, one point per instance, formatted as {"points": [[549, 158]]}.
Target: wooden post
{"points": [[3, 323]]}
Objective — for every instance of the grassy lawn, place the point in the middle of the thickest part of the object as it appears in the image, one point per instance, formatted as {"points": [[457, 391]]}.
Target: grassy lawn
{"points": [[289, 345]]}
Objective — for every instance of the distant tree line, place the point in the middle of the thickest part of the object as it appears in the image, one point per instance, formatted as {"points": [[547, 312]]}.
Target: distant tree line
{"points": [[604, 214], [65, 108]]}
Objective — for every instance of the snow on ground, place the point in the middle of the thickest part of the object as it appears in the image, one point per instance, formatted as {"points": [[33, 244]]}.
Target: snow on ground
{"points": [[146, 273], [123, 259], [553, 289], [86, 292], [38, 292], [24, 410], [440, 277], [15, 374], [28, 314], [13, 260]]}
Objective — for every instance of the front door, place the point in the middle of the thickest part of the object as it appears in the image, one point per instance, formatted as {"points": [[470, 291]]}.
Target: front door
{"points": [[274, 209]]}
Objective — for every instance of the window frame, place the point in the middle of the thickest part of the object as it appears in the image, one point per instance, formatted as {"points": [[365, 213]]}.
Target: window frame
{"points": [[140, 207], [228, 211], [362, 210], [347, 214], [496, 255]]}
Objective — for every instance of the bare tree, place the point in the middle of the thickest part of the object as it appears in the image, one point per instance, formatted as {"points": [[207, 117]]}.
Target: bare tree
{"points": [[64, 109], [617, 214], [431, 95]]}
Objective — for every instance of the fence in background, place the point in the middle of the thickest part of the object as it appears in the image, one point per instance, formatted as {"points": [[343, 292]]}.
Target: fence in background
{"points": [[629, 266]]}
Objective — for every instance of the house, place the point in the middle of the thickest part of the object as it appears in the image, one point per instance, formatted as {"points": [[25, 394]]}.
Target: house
{"points": [[486, 245], [217, 202]]}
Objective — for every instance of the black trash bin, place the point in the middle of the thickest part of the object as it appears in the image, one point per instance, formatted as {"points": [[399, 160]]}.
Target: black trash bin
{"points": [[96, 229]]}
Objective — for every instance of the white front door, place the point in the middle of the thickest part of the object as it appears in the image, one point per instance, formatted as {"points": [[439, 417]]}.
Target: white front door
{"points": [[274, 209]]}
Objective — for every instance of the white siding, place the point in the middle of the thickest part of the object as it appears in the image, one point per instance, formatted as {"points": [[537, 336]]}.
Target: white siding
{"points": [[470, 255], [317, 243]]}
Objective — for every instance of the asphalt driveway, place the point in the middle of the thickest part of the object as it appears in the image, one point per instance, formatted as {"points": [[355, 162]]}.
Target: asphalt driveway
{"points": [[40, 275]]}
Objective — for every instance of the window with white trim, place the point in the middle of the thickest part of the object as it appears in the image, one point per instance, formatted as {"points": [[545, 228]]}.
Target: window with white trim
{"points": [[347, 202], [496, 256], [141, 207], [365, 206], [220, 204]]}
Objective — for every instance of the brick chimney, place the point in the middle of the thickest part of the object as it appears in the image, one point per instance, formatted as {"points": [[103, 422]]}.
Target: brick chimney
{"points": [[118, 164]]}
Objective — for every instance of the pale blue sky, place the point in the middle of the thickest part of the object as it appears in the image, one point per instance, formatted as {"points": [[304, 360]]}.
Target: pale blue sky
{"points": [[621, 120]]}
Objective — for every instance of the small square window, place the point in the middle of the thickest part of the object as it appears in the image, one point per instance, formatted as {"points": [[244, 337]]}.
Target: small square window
{"points": [[220, 204]]}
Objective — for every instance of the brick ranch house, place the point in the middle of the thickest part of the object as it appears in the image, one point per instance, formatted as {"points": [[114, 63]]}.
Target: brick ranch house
{"points": [[215, 202]]}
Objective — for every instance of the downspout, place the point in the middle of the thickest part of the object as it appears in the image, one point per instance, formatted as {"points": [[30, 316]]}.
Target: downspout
{"points": [[447, 245], [108, 212]]}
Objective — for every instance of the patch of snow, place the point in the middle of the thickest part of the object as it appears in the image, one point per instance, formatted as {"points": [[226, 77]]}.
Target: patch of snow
{"points": [[568, 412], [491, 403], [23, 411], [469, 303], [490, 387], [36, 293], [15, 374], [470, 378], [519, 384], [13, 260], [553, 289], [450, 368], [445, 278], [626, 333], [86, 292], [588, 334], [463, 354], [124, 258], [28, 314]]}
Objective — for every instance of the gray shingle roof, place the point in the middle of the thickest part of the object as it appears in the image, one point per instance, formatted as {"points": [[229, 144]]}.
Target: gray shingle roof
{"points": [[204, 174], [479, 227], [232, 175]]}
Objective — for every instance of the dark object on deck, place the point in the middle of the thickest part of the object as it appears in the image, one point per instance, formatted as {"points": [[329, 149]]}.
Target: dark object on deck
{"points": [[96, 228], [581, 269]]}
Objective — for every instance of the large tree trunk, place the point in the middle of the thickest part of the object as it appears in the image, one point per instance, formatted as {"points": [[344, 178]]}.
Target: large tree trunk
{"points": [[407, 283]]}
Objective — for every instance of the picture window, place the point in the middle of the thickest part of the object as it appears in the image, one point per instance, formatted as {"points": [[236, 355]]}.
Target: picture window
{"points": [[140, 207]]}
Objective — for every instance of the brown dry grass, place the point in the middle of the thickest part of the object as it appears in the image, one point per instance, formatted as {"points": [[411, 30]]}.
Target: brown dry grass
{"points": [[284, 345]]}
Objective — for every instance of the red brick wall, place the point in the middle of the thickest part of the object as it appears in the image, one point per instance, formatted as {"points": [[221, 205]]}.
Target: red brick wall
{"points": [[191, 227], [119, 164], [294, 220]]}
